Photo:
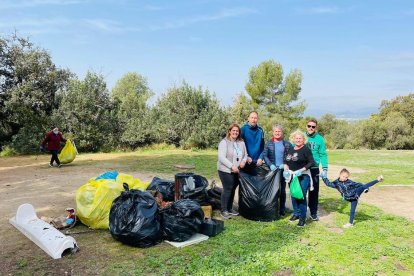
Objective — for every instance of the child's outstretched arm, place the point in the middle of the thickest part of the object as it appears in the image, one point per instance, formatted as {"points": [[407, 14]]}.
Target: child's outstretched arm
{"points": [[328, 183]]}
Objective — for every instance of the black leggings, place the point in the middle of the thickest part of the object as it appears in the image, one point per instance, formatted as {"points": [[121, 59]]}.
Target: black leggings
{"points": [[54, 157], [230, 181]]}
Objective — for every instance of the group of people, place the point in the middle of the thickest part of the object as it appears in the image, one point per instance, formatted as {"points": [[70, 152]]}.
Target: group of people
{"points": [[304, 156]]}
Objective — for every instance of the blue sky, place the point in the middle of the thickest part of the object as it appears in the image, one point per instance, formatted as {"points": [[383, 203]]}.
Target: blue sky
{"points": [[353, 54]]}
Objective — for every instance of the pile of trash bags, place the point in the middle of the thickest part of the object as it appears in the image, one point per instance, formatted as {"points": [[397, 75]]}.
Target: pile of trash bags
{"points": [[141, 214], [136, 220], [94, 199]]}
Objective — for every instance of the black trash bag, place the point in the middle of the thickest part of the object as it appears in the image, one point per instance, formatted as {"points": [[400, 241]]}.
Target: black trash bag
{"points": [[212, 227], [182, 220], [215, 192], [165, 187], [193, 186], [259, 195], [134, 219]]}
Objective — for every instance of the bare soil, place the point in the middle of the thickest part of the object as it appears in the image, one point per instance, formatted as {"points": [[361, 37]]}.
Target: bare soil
{"points": [[51, 190]]}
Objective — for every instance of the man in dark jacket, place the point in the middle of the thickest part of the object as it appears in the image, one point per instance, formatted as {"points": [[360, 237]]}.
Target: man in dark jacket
{"points": [[53, 140], [274, 153], [253, 137]]}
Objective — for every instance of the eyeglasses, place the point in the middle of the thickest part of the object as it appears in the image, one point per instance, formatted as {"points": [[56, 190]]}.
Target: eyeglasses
{"points": [[309, 126]]}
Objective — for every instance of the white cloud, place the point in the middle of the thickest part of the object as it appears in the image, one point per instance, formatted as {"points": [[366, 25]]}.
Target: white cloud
{"points": [[321, 10], [104, 25], [227, 13], [20, 4], [36, 22]]}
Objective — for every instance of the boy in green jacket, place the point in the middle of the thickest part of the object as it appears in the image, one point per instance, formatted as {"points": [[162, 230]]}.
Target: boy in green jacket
{"points": [[316, 143]]}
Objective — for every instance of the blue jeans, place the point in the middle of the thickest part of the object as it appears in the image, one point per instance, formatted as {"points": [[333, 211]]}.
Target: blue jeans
{"points": [[354, 203], [300, 206]]}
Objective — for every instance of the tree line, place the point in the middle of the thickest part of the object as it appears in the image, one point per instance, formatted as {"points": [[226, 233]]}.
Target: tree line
{"points": [[36, 95]]}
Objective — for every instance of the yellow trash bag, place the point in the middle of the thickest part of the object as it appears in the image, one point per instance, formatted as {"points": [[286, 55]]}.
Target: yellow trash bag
{"points": [[68, 152], [133, 183], [94, 200]]}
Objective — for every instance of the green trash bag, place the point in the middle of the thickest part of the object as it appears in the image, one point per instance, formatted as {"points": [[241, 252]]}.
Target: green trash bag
{"points": [[295, 188]]}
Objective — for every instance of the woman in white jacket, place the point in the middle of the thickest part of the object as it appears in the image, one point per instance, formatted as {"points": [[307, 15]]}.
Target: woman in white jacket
{"points": [[232, 156]]}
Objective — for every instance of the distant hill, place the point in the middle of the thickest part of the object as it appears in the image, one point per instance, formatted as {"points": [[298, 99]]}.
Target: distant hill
{"points": [[349, 114]]}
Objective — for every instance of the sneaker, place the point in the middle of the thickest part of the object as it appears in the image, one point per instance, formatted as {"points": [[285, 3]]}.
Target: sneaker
{"points": [[225, 215], [59, 165], [366, 190], [314, 217], [233, 213], [301, 223], [293, 218], [51, 165], [348, 225]]}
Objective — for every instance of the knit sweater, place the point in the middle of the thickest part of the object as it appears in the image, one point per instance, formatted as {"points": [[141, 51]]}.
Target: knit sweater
{"points": [[230, 153]]}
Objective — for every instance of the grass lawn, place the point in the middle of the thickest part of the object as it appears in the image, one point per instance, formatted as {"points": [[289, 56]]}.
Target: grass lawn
{"points": [[379, 244], [396, 166]]}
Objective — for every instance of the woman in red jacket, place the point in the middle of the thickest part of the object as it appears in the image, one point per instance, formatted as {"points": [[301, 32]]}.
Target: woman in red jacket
{"points": [[53, 140]]}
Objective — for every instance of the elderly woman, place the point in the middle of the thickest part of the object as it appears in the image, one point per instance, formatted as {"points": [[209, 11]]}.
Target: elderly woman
{"points": [[299, 159], [274, 155], [232, 156]]}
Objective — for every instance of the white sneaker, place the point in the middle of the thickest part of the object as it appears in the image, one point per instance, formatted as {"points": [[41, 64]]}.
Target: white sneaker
{"points": [[380, 178], [348, 225]]}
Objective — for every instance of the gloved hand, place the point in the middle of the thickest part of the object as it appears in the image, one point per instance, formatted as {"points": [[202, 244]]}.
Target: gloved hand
{"points": [[42, 148], [272, 167], [297, 173], [286, 174], [324, 173], [281, 167]]}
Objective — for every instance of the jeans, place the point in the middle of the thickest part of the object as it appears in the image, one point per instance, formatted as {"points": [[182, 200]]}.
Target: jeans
{"points": [[54, 157], [313, 197], [230, 181], [299, 205], [354, 203]]}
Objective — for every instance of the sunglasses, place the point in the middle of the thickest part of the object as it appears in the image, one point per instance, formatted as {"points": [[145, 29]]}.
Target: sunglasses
{"points": [[309, 126]]}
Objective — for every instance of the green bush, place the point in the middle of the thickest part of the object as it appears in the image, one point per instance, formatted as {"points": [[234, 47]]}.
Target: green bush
{"points": [[7, 151]]}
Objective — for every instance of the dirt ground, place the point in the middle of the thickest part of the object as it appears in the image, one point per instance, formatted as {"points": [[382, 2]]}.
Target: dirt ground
{"points": [[51, 190]]}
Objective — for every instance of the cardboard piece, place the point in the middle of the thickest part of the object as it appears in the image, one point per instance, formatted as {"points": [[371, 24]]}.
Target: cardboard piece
{"points": [[196, 238]]}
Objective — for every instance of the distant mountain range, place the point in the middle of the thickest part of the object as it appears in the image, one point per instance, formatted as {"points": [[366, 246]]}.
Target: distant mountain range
{"points": [[349, 114]]}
